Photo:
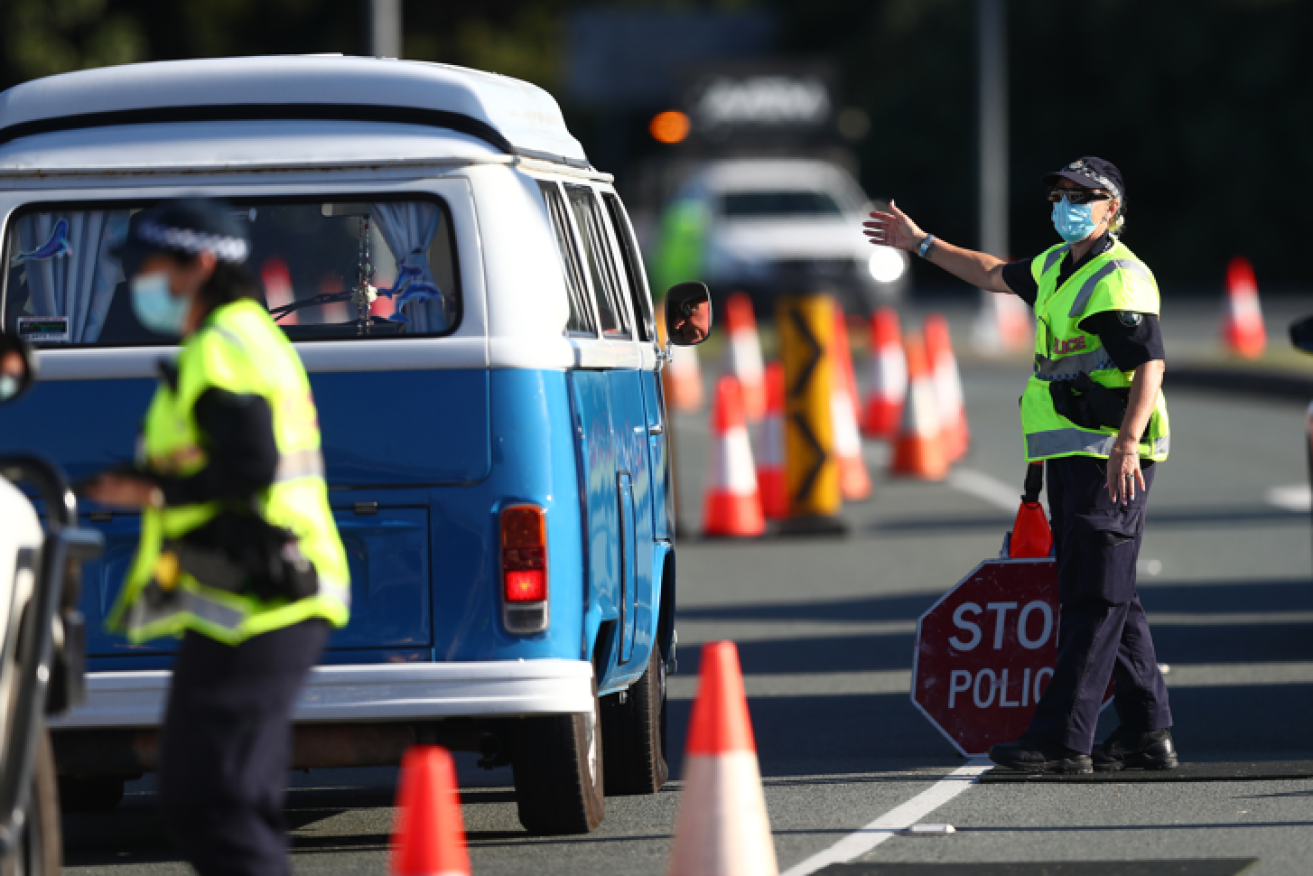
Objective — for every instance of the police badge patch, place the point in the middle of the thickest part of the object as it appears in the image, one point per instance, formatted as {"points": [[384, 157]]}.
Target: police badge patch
{"points": [[1129, 319]]}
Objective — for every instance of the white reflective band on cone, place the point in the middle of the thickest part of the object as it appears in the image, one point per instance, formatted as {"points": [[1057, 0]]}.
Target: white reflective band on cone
{"points": [[921, 413], [847, 438], [732, 467], [892, 380], [725, 831]]}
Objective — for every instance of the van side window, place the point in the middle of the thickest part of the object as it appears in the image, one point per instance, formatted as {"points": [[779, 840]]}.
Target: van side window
{"points": [[63, 285], [606, 282], [638, 292], [581, 314]]}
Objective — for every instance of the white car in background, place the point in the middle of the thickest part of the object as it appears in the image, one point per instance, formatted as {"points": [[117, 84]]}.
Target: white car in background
{"points": [[792, 226]]}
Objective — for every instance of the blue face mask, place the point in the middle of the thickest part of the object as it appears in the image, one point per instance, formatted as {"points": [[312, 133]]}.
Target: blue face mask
{"points": [[153, 304], [8, 386], [1074, 222]]}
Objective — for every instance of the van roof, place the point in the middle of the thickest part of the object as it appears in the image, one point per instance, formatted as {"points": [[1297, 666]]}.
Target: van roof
{"points": [[514, 116]]}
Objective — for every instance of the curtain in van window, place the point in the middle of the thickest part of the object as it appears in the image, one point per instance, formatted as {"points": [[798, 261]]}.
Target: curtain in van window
{"points": [[409, 229], [75, 277]]}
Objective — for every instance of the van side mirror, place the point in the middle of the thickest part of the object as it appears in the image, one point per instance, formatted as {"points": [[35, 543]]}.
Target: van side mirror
{"points": [[17, 367], [1301, 334], [688, 314]]}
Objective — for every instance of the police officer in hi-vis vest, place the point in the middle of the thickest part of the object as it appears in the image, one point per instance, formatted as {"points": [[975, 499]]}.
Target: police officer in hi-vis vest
{"points": [[1094, 412], [239, 555]]}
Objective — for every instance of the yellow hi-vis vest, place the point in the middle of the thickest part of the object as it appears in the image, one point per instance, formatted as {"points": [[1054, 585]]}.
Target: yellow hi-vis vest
{"points": [[1114, 280], [241, 350]]}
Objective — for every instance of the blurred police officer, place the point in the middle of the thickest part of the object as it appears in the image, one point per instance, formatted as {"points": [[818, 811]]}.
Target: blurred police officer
{"points": [[239, 555], [1093, 410]]}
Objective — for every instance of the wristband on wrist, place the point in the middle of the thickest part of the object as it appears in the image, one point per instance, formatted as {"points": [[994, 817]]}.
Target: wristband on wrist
{"points": [[927, 244]]}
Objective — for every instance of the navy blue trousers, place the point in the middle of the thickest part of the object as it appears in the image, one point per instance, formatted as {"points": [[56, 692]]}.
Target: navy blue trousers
{"points": [[226, 744], [1103, 631]]}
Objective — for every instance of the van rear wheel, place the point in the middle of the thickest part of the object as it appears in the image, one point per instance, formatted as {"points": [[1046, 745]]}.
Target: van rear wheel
{"points": [[634, 733], [557, 764]]}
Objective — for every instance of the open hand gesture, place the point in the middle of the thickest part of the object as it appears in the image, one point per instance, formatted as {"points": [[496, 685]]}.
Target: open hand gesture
{"points": [[893, 229]]}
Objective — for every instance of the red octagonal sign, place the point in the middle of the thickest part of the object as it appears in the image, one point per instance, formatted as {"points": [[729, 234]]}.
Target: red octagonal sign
{"points": [[985, 653]]}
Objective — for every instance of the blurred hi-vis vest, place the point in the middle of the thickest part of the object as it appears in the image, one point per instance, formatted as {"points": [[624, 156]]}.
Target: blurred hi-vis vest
{"points": [[1113, 280], [241, 350]]}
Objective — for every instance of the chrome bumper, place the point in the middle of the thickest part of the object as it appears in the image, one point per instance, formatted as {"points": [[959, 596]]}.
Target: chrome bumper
{"points": [[374, 692]]}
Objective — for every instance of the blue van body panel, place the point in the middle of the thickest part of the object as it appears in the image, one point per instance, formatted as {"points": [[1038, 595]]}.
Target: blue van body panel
{"points": [[86, 426], [420, 465], [658, 454], [404, 427]]}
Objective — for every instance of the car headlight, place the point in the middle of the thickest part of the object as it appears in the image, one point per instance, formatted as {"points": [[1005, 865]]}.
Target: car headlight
{"points": [[886, 264]]}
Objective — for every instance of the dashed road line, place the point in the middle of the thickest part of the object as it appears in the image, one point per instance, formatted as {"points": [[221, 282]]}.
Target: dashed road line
{"points": [[1294, 497], [988, 488], [899, 818]]}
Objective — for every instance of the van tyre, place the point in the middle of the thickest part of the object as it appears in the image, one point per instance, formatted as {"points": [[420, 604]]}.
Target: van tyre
{"points": [[557, 764], [634, 734], [39, 850]]}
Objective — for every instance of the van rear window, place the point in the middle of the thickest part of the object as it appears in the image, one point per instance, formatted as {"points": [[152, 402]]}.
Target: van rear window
{"points": [[339, 269]]}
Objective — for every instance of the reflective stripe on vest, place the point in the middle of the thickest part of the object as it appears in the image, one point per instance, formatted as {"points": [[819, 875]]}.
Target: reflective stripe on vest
{"points": [[1061, 442], [1087, 288], [1054, 257], [299, 464]]}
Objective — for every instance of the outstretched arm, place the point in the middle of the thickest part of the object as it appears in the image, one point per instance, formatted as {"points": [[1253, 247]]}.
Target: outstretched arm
{"points": [[896, 229]]}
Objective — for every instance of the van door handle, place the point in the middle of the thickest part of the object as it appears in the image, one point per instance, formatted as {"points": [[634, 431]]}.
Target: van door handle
{"points": [[656, 429]]}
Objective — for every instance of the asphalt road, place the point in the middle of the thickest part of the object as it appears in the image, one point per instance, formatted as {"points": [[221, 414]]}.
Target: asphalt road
{"points": [[825, 633]]}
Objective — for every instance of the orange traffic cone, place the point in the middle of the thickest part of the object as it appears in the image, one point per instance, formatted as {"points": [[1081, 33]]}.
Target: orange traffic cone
{"points": [[1242, 318], [918, 452], [948, 387], [429, 839], [772, 477], [888, 376], [854, 482], [743, 355], [1004, 324], [681, 379], [733, 505], [277, 282], [722, 828]]}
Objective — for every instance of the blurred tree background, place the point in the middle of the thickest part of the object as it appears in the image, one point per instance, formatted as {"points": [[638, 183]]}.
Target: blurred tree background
{"points": [[1204, 104]]}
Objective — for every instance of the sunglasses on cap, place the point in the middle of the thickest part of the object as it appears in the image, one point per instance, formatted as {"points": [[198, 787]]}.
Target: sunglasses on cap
{"points": [[1077, 196]]}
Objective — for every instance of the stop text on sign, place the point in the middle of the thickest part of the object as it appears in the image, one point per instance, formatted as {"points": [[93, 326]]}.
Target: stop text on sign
{"points": [[963, 614], [988, 686]]}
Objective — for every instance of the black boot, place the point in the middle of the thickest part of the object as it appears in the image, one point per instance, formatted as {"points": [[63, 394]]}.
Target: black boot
{"points": [[1146, 749], [1028, 755]]}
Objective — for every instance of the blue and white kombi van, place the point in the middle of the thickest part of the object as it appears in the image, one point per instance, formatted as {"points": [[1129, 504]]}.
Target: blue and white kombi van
{"points": [[468, 297]]}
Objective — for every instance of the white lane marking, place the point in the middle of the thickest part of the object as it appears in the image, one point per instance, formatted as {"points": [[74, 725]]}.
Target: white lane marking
{"points": [[1295, 497], [1238, 674], [990, 489], [899, 818]]}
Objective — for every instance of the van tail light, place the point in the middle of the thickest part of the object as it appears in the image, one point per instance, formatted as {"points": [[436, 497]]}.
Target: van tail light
{"points": [[524, 568]]}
